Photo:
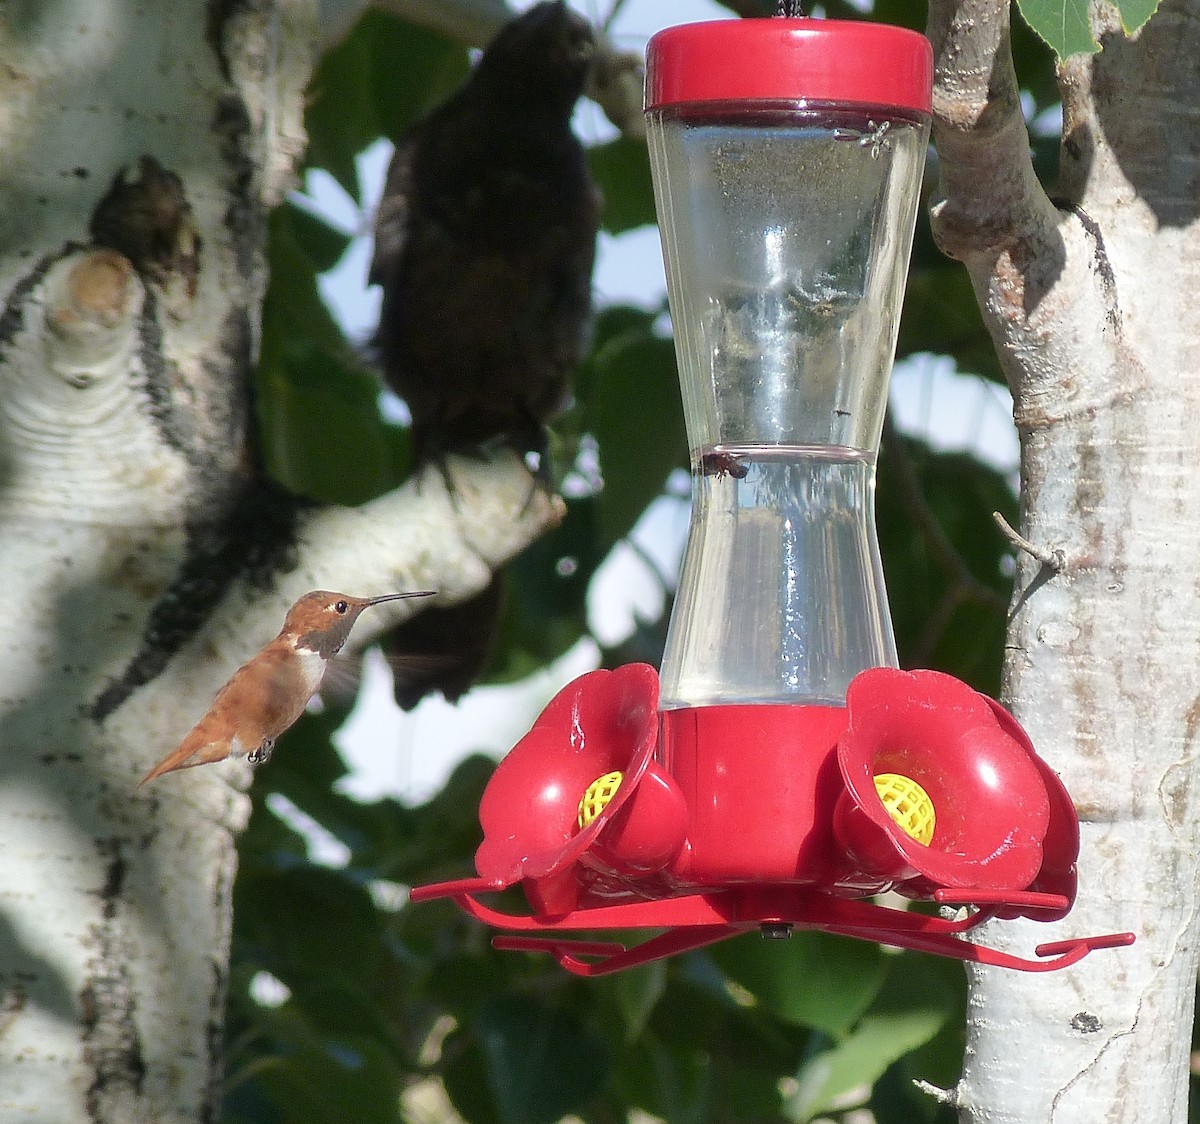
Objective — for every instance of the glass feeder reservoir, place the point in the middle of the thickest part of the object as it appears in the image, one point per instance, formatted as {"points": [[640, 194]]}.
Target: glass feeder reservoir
{"points": [[787, 159], [781, 769]]}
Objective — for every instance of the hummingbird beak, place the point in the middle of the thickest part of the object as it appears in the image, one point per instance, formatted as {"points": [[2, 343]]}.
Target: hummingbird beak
{"points": [[399, 596]]}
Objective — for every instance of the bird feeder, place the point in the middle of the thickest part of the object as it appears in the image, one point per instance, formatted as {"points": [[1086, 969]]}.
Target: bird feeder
{"points": [[781, 771]]}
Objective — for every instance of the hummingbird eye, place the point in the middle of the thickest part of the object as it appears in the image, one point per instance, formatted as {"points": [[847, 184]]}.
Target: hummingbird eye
{"points": [[340, 607]]}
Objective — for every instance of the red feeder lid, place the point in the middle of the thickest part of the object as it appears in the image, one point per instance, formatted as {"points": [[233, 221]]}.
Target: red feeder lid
{"points": [[790, 59]]}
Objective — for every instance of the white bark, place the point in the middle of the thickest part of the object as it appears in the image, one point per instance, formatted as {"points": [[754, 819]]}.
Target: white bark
{"points": [[1092, 309], [122, 429]]}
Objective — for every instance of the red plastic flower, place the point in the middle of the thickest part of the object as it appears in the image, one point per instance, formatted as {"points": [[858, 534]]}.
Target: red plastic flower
{"points": [[601, 723], [1000, 819], [931, 788]]}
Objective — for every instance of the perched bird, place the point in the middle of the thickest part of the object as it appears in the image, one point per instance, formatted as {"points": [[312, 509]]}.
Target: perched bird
{"points": [[270, 691], [484, 244]]}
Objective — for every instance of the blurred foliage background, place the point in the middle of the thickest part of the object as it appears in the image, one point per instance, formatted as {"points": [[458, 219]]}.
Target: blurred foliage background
{"points": [[348, 1005]]}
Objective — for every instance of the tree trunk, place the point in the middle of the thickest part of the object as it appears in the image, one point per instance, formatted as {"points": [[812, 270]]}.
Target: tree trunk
{"points": [[144, 555], [1090, 301]]}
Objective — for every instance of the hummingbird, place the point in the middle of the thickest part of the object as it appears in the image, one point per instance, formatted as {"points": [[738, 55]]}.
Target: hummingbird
{"points": [[266, 695]]}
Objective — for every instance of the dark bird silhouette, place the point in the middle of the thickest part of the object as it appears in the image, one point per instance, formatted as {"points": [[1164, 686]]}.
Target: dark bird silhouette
{"points": [[484, 245], [446, 648]]}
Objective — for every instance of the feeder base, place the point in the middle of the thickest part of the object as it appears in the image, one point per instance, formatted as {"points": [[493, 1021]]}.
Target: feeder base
{"points": [[696, 920]]}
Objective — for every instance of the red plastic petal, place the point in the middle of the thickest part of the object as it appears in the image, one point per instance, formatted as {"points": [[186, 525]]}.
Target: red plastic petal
{"points": [[600, 722], [987, 787], [647, 832], [1060, 847]]}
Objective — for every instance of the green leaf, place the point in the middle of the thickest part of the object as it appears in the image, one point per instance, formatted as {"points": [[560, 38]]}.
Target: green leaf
{"points": [[621, 169], [634, 411], [937, 625], [412, 69], [666, 1080], [811, 979], [942, 316], [295, 251], [465, 1078], [707, 1054], [570, 553], [380, 78], [1035, 64], [320, 244], [437, 839], [317, 404], [1135, 13], [829, 1078], [945, 982], [283, 918], [545, 611], [916, 1000], [635, 994], [895, 1099], [540, 1061], [341, 121], [1063, 24], [334, 1081], [323, 435]]}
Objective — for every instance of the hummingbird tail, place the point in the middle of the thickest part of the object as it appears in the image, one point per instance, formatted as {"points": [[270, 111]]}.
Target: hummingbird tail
{"points": [[186, 757]]}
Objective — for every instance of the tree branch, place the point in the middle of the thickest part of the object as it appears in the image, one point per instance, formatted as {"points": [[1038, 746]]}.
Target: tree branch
{"points": [[1041, 277], [129, 496], [1055, 560], [991, 195], [418, 536], [1092, 313]]}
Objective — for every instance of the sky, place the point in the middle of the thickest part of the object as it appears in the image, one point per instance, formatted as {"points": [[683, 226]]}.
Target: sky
{"points": [[409, 755]]}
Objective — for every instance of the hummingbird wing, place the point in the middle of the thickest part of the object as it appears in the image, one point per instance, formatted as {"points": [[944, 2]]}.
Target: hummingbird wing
{"points": [[262, 699]]}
